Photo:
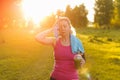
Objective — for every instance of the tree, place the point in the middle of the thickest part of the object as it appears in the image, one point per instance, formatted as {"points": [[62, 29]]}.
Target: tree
{"points": [[116, 17], [68, 12], [60, 13], [103, 12], [117, 5], [77, 15], [83, 15]]}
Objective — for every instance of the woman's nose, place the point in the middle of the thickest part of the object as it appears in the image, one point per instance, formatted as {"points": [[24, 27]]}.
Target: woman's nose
{"points": [[63, 27]]}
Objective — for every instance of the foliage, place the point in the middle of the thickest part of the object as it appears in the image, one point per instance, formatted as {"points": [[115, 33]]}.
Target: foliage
{"points": [[117, 5], [116, 18], [103, 12], [77, 15], [68, 12]]}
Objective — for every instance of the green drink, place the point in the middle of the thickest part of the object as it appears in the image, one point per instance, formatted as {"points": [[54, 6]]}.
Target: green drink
{"points": [[77, 60]]}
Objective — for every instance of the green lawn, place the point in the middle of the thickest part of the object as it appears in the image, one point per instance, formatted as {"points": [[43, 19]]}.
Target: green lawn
{"points": [[22, 58]]}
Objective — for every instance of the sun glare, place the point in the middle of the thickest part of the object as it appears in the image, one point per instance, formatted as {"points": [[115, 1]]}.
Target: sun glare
{"points": [[37, 9]]}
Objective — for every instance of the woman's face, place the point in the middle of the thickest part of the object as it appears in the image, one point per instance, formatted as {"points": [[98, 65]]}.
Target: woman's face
{"points": [[64, 28]]}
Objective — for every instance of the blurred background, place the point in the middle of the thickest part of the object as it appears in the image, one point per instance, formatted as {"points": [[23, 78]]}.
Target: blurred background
{"points": [[97, 23]]}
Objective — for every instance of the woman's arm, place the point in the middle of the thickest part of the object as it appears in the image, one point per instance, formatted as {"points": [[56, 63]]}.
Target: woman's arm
{"points": [[43, 38]]}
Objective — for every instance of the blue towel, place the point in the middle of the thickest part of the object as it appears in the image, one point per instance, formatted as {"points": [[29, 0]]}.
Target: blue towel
{"points": [[76, 45]]}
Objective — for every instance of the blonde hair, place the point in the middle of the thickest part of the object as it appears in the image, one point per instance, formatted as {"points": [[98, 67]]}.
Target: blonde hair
{"points": [[73, 31]]}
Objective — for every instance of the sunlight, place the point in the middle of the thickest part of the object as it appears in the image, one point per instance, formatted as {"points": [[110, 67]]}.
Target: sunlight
{"points": [[37, 9], [90, 8], [32, 32], [86, 73]]}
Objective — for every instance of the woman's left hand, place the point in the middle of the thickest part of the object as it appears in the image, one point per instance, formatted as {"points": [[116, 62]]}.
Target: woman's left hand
{"points": [[82, 62]]}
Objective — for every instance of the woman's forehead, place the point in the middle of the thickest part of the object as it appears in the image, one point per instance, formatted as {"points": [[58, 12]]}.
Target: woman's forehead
{"points": [[63, 22]]}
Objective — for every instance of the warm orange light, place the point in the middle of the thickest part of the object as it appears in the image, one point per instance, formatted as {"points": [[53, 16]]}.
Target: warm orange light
{"points": [[38, 9], [34, 9]]}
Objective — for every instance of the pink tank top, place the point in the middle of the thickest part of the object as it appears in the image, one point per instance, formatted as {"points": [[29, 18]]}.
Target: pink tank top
{"points": [[64, 68]]}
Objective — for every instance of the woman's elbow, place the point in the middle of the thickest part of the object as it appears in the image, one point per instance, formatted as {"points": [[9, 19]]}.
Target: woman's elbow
{"points": [[37, 38]]}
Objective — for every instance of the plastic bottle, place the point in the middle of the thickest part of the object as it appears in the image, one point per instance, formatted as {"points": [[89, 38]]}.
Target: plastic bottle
{"points": [[77, 60]]}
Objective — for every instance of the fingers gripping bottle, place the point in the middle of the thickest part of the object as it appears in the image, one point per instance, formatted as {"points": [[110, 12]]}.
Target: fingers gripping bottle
{"points": [[77, 60]]}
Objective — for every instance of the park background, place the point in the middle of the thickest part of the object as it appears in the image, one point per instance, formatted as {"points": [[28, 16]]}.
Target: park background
{"points": [[97, 25]]}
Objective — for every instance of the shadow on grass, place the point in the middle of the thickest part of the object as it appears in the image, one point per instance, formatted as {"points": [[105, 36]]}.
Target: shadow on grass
{"points": [[100, 35], [115, 61]]}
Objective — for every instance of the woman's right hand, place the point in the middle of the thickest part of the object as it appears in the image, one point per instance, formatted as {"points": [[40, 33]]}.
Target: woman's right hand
{"points": [[82, 62], [43, 37], [55, 29]]}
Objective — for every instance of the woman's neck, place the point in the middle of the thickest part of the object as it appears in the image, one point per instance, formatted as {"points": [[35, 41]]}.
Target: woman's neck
{"points": [[65, 40]]}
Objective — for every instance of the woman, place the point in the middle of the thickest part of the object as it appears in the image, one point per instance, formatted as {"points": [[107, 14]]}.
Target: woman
{"points": [[64, 68]]}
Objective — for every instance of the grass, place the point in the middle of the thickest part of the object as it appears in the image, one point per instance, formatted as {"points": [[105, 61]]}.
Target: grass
{"points": [[102, 53], [22, 58]]}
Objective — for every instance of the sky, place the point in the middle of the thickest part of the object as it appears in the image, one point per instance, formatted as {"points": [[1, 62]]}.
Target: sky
{"points": [[40, 8], [89, 5]]}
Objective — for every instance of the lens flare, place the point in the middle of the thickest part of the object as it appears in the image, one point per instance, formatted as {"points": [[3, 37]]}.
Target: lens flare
{"points": [[85, 72], [88, 76]]}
